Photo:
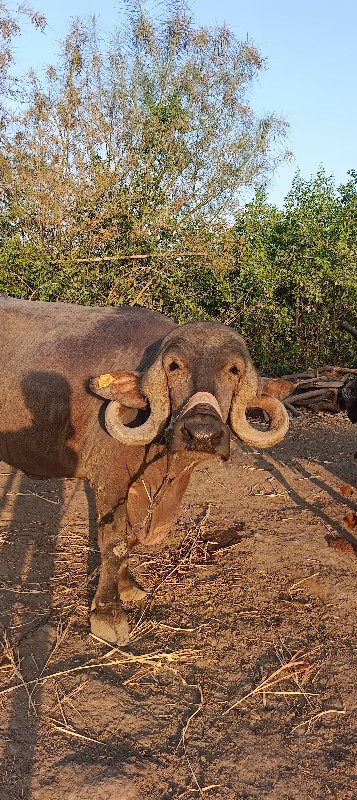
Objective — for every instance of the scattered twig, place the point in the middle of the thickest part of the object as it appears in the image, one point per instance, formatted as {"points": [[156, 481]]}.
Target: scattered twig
{"points": [[164, 660], [298, 665], [291, 408], [66, 729], [304, 396], [60, 637], [184, 558], [294, 586], [16, 665], [183, 738], [34, 494], [192, 716], [67, 697], [60, 706], [140, 257], [142, 291], [312, 720], [243, 310]]}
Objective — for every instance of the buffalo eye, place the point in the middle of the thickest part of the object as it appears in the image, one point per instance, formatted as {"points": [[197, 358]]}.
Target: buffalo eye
{"points": [[174, 365], [234, 370]]}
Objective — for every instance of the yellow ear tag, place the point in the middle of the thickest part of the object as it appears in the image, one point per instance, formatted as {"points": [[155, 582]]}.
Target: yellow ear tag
{"points": [[105, 380]]}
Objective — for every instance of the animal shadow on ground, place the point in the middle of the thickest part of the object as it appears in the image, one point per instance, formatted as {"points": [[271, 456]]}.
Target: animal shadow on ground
{"points": [[25, 609], [326, 442], [27, 563]]}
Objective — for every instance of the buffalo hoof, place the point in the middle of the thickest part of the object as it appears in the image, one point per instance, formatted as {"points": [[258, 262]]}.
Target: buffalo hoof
{"points": [[111, 626]]}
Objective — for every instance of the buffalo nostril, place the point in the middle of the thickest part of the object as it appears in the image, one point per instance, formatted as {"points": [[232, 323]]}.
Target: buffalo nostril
{"points": [[217, 435], [204, 433], [187, 433]]}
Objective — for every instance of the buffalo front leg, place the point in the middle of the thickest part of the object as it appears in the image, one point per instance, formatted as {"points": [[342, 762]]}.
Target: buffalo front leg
{"points": [[108, 619], [128, 588]]}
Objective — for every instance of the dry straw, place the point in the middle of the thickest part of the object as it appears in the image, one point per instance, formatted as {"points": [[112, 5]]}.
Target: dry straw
{"points": [[297, 669]]}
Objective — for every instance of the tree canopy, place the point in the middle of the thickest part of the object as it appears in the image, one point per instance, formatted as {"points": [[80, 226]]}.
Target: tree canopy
{"points": [[140, 144], [121, 180], [298, 267], [10, 27]]}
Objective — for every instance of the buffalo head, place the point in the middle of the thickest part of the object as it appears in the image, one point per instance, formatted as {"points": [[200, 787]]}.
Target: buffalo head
{"points": [[199, 384]]}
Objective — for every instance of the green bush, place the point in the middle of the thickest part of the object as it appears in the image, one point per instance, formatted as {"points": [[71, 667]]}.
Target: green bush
{"points": [[297, 274], [291, 277]]}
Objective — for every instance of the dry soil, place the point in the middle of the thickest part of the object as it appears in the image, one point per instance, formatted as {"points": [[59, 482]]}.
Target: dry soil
{"points": [[251, 604]]}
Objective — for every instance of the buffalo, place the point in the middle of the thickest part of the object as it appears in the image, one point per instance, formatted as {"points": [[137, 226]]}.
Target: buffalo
{"points": [[130, 402]]}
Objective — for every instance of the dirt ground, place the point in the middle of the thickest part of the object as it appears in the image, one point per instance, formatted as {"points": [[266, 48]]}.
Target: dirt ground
{"points": [[252, 604]]}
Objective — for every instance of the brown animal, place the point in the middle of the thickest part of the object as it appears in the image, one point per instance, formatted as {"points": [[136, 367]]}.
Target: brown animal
{"points": [[174, 395]]}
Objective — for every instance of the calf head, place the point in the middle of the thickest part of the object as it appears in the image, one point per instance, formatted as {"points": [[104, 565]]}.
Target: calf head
{"points": [[347, 399], [196, 389], [347, 394]]}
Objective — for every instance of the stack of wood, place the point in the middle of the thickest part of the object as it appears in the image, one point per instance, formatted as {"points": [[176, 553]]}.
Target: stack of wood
{"points": [[315, 389]]}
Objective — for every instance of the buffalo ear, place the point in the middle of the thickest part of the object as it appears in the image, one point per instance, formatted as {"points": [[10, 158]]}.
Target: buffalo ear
{"points": [[124, 387]]}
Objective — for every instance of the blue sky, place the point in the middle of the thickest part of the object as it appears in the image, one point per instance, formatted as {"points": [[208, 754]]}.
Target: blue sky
{"points": [[310, 79]]}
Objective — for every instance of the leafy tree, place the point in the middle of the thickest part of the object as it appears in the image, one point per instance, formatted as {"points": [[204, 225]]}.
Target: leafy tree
{"points": [[9, 28], [142, 147], [297, 268], [139, 147]]}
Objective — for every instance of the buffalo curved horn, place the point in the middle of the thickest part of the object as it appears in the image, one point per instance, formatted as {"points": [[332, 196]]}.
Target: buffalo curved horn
{"points": [[154, 388], [277, 413]]}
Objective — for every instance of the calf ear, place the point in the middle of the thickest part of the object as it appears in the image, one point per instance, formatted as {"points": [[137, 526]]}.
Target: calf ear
{"points": [[277, 387], [121, 386]]}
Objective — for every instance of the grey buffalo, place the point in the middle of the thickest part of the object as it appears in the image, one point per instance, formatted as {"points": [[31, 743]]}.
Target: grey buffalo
{"points": [[130, 402]]}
